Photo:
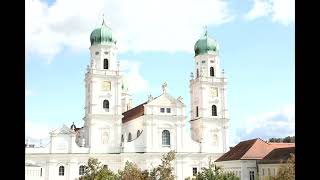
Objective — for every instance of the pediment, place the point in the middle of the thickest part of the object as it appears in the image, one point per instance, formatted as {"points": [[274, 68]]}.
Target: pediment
{"points": [[63, 130], [165, 100]]}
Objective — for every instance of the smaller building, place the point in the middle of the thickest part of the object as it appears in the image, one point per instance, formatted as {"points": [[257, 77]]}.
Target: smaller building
{"points": [[242, 159], [33, 172], [271, 163]]}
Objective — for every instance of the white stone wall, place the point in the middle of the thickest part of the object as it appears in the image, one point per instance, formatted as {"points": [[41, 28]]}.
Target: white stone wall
{"points": [[182, 165], [267, 170]]}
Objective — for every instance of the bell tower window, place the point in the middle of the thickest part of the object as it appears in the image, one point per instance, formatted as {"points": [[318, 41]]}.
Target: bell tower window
{"points": [[105, 64], [106, 105], [214, 110], [211, 71]]}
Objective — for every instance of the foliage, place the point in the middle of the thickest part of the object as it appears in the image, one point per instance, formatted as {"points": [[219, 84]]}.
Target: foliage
{"points": [[214, 172], [288, 139], [131, 172], [164, 171], [287, 170], [95, 171]]}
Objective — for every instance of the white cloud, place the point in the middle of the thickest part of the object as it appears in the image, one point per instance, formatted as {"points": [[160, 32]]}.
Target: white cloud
{"points": [[136, 83], [36, 130], [281, 11], [280, 123], [140, 25]]}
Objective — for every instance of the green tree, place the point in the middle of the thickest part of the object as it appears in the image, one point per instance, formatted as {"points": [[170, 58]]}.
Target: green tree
{"points": [[95, 171], [214, 172], [164, 171], [132, 172], [287, 170]]}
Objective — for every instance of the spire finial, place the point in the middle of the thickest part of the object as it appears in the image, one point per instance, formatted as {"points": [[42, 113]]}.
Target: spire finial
{"points": [[205, 30], [164, 87], [103, 22]]}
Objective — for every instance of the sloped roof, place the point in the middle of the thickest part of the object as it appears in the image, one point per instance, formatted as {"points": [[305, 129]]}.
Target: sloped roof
{"points": [[277, 155], [254, 149], [133, 113]]}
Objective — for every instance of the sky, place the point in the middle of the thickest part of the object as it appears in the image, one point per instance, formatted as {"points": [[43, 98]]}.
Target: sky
{"points": [[155, 41]]}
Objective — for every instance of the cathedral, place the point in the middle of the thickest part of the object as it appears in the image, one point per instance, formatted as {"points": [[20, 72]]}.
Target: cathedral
{"points": [[114, 131]]}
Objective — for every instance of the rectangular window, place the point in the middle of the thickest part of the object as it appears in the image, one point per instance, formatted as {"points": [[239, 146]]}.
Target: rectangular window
{"points": [[262, 172], [212, 61], [168, 110], [203, 62], [105, 166], [40, 171], [162, 110], [251, 175], [274, 172], [194, 171], [197, 112], [269, 173], [97, 53]]}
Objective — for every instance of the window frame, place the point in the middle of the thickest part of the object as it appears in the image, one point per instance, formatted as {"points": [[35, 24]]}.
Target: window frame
{"points": [[61, 170], [214, 110], [162, 110], [129, 137], [106, 105], [251, 175], [168, 109], [105, 63], [211, 71], [81, 170], [194, 171], [166, 139]]}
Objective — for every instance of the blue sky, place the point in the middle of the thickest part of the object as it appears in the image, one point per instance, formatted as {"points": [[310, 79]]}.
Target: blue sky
{"points": [[256, 39]]}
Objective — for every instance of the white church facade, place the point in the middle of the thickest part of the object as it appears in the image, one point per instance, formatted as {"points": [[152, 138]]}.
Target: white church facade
{"points": [[115, 132]]}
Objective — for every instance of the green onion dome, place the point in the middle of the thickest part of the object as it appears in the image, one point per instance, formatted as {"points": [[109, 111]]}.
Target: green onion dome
{"points": [[206, 45], [102, 36]]}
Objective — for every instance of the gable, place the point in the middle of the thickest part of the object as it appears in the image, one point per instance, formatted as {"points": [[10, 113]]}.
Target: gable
{"points": [[63, 130], [165, 100]]}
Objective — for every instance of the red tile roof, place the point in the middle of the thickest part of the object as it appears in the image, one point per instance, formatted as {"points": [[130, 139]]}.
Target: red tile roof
{"points": [[251, 149], [133, 113], [278, 155]]}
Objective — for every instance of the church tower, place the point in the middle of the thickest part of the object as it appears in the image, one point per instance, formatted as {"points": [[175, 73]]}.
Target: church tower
{"points": [[103, 85], [209, 116]]}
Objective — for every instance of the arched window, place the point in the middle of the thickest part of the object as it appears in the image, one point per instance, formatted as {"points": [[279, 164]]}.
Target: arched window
{"points": [[165, 138], [197, 72], [214, 110], [122, 138], [129, 137], [106, 104], [61, 171], [81, 170], [105, 64], [138, 133], [197, 111], [211, 71]]}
